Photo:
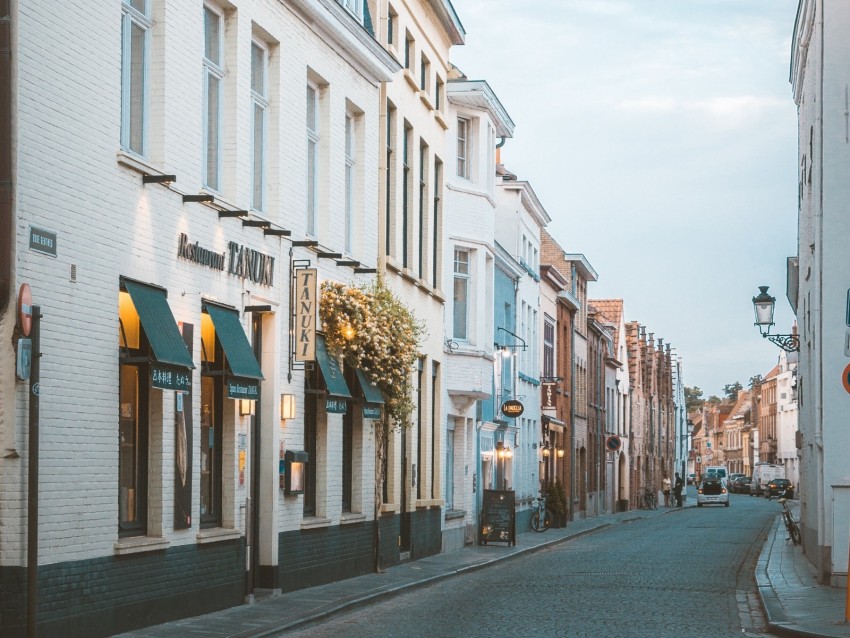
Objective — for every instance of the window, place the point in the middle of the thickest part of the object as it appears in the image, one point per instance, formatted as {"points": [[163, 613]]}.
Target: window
{"points": [[213, 80], [392, 25], [436, 220], [312, 157], [450, 465], [460, 328], [212, 401], [423, 205], [354, 7], [425, 74], [408, 52], [347, 459], [349, 181], [438, 94], [260, 102], [463, 147], [548, 347], [390, 174], [135, 45], [405, 195]]}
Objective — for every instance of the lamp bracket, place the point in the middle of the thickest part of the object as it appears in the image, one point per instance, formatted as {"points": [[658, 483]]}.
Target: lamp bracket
{"points": [[522, 345], [789, 343]]}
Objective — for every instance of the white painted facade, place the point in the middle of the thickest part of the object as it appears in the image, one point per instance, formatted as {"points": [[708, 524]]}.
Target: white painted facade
{"points": [[819, 66], [787, 424], [478, 118], [75, 178]]}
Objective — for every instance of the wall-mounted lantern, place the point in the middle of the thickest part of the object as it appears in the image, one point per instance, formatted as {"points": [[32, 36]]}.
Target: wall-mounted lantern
{"points": [[246, 407], [287, 406], [295, 471]]}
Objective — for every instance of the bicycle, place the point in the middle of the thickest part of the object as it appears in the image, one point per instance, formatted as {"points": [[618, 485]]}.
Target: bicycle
{"points": [[541, 520], [790, 523], [650, 499]]}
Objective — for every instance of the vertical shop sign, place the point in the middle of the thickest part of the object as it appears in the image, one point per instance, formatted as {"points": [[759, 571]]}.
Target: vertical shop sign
{"points": [[183, 446], [306, 306]]}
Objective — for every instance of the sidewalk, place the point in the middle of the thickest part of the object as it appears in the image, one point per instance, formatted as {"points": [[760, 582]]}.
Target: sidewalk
{"points": [[794, 603], [275, 614]]}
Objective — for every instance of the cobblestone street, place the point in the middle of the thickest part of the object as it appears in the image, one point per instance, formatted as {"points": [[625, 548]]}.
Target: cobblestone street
{"points": [[689, 573]]}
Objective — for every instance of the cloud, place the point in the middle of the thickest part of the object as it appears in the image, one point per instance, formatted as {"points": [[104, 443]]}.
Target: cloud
{"points": [[730, 111]]}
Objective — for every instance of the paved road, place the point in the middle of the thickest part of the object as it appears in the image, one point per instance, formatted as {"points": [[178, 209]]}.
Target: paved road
{"points": [[688, 573]]}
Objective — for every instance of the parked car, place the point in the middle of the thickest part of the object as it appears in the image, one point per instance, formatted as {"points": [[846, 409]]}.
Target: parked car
{"points": [[763, 473], [712, 491], [692, 478], [777, 487], [735, 475], [740, 485]]}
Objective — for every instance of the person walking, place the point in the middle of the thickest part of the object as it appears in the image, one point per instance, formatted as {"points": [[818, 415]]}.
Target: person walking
{"points": [[677, 490], [665, 488]]}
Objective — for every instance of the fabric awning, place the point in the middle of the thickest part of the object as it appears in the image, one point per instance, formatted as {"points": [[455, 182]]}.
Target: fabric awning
{"points": [[331, 371], [371, 393], [159, 324], [555, 425], [240, 356]]}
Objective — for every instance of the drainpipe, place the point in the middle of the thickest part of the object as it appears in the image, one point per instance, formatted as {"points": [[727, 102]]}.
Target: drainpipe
{"points": [[7, 244]]}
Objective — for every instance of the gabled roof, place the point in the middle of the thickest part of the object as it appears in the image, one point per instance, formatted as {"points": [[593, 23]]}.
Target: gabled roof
{"points": [[612, 311]]}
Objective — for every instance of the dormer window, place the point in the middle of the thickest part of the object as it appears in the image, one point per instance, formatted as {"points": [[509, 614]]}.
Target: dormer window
{"points": [[354, 7]]}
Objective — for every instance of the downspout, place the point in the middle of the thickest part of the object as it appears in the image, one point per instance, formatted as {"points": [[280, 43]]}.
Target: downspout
{"points": [[7, 244], [573, 416]]}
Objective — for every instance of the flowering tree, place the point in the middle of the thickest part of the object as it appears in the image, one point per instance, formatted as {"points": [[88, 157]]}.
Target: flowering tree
{"points": [[371, 329]]}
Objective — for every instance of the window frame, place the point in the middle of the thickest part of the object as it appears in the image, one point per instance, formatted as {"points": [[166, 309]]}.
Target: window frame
{"points": [[463, 279], [464, 129], [213, 70], [259, 101], [130, 17], [350, 153], [313, 141], [212, 369]]}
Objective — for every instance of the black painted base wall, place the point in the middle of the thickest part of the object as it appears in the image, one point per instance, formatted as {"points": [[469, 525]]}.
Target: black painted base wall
{"points": [[323, 555], [426, 536], [390, 530], [113, 594]]}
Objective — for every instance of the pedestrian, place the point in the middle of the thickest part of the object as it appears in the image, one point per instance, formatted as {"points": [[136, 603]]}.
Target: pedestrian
{"points": [[677, 490], [665, 487]]}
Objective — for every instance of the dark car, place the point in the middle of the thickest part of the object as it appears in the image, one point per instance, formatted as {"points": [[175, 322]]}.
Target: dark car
{"points": [[779, 487], [712, 491], [741, 485]]}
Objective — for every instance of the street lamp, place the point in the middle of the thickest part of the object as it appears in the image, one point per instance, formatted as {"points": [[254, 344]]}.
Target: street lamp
{"points": [[764, 305]]}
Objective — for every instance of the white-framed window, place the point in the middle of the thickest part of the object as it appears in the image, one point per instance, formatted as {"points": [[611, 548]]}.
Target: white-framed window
{"points": [[213, 84], [354, 7], [438, 94], [548, 346], [260, 105], [349, 180], [460, 322], [425, 74], [135, 64], [312, 157], [463, 146], [392, 26]]}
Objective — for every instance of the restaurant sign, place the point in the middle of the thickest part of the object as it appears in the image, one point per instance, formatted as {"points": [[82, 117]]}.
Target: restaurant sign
{"points": [[548, 396], [243, 389], [371, 412], [336, 406], [512, 408], [166, 378], [306, 304], [237, 260]]}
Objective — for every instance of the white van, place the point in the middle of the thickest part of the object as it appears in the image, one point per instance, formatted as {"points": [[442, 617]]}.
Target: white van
{"points": [[763, 473], [718, 471]]}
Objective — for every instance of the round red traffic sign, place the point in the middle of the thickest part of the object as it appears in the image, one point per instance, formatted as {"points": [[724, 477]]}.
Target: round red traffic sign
{"points": [[845, 378], [25, 309], [612, 443]]}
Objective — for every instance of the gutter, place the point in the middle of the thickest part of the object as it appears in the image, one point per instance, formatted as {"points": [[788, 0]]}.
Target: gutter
{"points": [[7, 244]]}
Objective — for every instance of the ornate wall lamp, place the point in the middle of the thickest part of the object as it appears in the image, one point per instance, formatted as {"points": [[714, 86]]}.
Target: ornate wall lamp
{"points": [[764, 305]]}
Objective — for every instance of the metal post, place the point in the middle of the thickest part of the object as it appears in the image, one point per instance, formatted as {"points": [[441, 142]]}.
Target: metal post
{"points": [[32, 482]]}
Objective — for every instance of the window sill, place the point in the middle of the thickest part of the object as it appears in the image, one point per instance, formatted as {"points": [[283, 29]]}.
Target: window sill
{"points": [[217, 535], [426, 100], [389, 508], [430, 502], [350, 518], [408, 75], [441, 120], [138, 164], [140, 544], [314, 522], [454, 514]]}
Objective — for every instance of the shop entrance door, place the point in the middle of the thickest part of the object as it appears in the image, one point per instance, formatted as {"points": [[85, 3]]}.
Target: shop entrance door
{"points": [[404, 532]]}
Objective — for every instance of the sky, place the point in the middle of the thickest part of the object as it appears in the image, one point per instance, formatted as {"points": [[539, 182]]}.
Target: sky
{"points": [[661, 138]]}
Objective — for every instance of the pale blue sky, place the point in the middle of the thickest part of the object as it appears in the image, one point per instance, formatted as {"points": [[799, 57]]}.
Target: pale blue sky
{"points": [[661, 137]]}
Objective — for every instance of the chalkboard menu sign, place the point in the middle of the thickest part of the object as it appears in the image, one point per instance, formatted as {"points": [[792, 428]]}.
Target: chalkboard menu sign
{"points": [[498, 517]]}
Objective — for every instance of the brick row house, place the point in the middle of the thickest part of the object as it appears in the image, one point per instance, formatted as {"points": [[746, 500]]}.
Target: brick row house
{"points": [[185, 430]]}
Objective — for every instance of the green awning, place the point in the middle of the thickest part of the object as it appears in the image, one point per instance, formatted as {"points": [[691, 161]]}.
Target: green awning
{"points": [[159, 324], [240, 357], [331, 371], [371, 393]]}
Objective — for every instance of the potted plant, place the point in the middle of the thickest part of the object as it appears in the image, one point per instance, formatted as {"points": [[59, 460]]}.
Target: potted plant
{"points": [[556, 502]]}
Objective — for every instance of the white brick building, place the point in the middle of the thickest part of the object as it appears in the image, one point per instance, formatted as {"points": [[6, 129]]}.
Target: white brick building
{"points": [[149, 470]]}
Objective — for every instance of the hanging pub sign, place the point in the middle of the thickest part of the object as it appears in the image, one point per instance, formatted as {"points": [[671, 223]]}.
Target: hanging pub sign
{"points": [[512, 408], [547, 399], [243, 389], [306, 305]]}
